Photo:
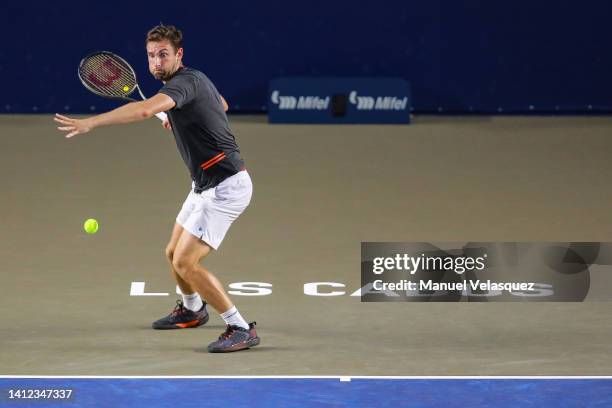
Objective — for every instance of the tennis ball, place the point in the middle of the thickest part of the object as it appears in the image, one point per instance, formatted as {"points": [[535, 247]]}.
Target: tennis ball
{"points": [[126, 88], [91, 226]]}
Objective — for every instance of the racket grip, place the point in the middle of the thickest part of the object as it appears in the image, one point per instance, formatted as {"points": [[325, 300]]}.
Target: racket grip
{"points": [[161, 116]]}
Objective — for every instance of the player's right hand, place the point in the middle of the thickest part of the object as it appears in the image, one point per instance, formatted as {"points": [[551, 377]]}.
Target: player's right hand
{"points": [[166, 124]]}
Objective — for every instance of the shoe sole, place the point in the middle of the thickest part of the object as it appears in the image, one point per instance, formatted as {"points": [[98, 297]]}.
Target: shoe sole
{"points": [[238, 347], [188, 325]]}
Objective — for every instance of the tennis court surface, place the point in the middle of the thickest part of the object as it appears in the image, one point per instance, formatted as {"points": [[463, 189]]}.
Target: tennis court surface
{"points": [[319, 191]]}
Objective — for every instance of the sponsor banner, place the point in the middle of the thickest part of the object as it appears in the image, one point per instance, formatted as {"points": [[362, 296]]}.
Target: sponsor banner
{"points": [[339, 100], [486, 272]]}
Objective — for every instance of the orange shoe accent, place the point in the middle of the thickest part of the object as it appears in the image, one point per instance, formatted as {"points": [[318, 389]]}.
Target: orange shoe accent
{"points": [[188, 324]]}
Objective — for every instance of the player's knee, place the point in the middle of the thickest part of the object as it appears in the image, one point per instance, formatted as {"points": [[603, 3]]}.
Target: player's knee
{"points": [[169, 253], [182, 266]]}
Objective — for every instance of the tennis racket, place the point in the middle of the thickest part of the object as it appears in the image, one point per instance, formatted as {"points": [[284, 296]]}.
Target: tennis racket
{"points": [[107, 74]]}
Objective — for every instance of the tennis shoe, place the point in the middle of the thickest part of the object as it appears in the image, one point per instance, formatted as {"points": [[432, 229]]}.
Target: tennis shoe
{"points": [[235, 338], [182, 318]]}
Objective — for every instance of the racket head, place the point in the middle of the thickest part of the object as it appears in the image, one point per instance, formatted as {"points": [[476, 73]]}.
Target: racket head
{"points": [[106, 74]]}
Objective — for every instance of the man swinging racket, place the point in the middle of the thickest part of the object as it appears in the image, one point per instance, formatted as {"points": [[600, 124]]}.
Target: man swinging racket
{"points": [[221, 188]]}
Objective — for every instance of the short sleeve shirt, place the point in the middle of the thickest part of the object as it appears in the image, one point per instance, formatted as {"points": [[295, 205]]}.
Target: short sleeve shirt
{"points": [[201, 129]]}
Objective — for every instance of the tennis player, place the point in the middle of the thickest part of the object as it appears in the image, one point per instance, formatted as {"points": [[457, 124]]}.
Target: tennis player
{"points": [[221, 187]]}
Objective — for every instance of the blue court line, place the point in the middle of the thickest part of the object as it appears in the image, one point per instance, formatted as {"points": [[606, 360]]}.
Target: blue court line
{"points": [[300, 392]]}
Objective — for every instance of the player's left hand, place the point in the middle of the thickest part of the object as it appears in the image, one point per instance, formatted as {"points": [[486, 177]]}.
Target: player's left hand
{"points": [[166, 124], [72, 126]]}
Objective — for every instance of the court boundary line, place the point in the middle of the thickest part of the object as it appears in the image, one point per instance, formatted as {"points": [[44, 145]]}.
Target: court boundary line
{"points": [[318, 377]]}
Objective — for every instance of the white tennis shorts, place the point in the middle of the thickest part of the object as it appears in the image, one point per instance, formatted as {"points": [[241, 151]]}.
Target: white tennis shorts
{"points": [[208, 215]]}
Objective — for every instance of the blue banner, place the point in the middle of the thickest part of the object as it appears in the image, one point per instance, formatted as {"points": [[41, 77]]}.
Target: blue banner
{"points": [[460, 56], [339, 100]]}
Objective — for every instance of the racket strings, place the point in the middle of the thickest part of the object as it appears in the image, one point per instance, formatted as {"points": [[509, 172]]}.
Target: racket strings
{"points": [[107, 75]]}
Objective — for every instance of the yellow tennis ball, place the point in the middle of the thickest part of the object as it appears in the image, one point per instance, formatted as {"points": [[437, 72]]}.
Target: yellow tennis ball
{"points": [[91, 226], [126, 88]]}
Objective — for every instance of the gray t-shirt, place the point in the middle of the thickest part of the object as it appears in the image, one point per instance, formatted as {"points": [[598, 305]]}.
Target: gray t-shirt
{"points": [[200, 128]]}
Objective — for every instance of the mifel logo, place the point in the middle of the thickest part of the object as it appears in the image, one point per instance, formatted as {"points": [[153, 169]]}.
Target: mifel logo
{"points": [[302, 102], [379, 103]]}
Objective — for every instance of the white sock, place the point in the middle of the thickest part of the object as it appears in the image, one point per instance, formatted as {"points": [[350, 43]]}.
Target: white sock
{"points": [[233, 318], [193, 302]]}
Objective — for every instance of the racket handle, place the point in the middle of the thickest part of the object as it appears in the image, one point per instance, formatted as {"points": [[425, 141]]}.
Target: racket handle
{"points": [[162, 116]]}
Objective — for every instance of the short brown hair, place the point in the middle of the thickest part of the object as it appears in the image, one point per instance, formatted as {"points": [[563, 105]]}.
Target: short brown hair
{"points": [[164, 32]]}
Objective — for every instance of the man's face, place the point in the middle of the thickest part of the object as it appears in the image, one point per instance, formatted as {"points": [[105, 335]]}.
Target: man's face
{"points": [[163, 60]]}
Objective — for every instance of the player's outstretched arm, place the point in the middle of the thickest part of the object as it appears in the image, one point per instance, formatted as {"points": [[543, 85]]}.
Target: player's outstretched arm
{"points": [[132, 112]]}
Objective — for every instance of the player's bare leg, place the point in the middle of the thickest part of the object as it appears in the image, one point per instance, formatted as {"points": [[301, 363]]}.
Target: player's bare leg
{"points": [[239, 334], [191, 311], [177, 230], [188, 254]]}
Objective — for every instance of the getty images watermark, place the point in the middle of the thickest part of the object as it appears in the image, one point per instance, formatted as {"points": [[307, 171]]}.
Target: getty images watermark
{"points": [[485, 271], [458, 265]]}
